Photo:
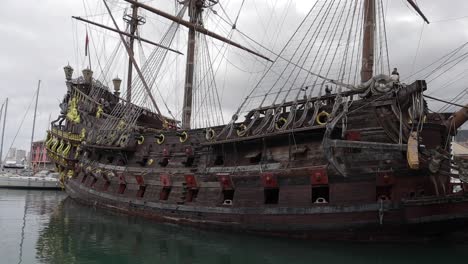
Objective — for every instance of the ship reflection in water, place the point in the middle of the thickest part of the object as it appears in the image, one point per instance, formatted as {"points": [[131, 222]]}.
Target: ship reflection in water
{"points": [[46, 227]]}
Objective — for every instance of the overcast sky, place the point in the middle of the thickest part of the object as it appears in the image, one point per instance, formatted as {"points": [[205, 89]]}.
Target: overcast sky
{"points": [[38, 39]]}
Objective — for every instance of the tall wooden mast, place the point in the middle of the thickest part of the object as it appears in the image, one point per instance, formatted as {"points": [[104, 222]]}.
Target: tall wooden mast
{"points": [[134, 21], [4, 108], [368, 41], [194, 25], [31, 154], [195, 10]]}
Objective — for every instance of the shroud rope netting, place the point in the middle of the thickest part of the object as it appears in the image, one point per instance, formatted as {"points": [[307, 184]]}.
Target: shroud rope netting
{"points": [[206, 103], [325, 49], [129, 113]]}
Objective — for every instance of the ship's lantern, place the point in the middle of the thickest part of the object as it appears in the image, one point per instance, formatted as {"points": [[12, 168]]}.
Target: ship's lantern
{"points": [[68, 72], [87, 75], [117, 81]]}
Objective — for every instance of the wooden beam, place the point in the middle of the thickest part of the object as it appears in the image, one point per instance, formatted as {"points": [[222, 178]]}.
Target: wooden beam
{"points": [[133, 27], [195, 27], [126, 34], [367, 145], [411, 2], [135, 64]]}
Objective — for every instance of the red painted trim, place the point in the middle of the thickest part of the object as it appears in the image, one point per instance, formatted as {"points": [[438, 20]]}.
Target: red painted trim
{"points": [[269, 180], [191, 181], [319, 176], [165, 180], [225, 181]]}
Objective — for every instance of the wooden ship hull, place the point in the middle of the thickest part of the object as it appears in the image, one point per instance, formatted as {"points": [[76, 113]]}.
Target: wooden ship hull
{"points": [[367, 164], [327, 185]]}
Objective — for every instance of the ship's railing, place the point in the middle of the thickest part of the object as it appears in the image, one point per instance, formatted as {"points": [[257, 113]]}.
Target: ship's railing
{"points": [[65, 134], [86, 101], [90, 104], [299, 115]]}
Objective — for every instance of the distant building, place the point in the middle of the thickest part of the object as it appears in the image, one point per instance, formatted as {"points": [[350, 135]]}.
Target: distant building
{"points": [[40, 161], [20, 156]]}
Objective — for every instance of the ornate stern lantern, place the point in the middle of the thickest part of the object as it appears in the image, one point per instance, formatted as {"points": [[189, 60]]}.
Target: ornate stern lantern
{"points": [[68, 72], [117, 81], [88, 75]]}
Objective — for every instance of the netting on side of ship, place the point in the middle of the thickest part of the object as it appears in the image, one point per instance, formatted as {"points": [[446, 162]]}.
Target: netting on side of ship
{"points": [[206, 106], [323, 56], [207, 109], [103, 83], [128, 113]]}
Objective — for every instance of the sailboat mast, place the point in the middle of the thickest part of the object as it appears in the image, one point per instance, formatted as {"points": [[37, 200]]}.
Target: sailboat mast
{"points": [[133, 21], [34, 122], [195, 10], [368, 41], [3, 131]]}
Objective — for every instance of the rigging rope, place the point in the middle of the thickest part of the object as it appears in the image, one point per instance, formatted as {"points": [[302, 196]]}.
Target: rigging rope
{"points": [[21, 123]]}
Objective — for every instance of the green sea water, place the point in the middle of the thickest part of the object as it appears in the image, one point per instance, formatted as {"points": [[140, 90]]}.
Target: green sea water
{"points": [[48, 227]]}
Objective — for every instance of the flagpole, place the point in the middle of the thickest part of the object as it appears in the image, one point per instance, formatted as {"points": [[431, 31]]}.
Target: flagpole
{"points": [[87, 53]]}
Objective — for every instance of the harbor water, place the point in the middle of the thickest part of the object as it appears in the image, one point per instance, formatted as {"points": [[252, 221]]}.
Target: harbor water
{"points": [[48, 227]]}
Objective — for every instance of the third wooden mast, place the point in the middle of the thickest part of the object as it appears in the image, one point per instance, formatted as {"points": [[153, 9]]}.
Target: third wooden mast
{"points": [[367, 67], [195, 8]]}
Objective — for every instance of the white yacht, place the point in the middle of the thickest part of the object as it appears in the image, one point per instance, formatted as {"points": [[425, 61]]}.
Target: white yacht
{"points": [[25, 179]]}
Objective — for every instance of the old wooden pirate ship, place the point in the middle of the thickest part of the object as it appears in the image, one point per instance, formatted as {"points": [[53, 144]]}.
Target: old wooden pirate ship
{"points": [[318, 149]]}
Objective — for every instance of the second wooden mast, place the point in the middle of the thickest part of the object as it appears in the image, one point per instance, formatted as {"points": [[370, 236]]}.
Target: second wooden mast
{"points": [[194, 25], [133, 20], [195, 11]]}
